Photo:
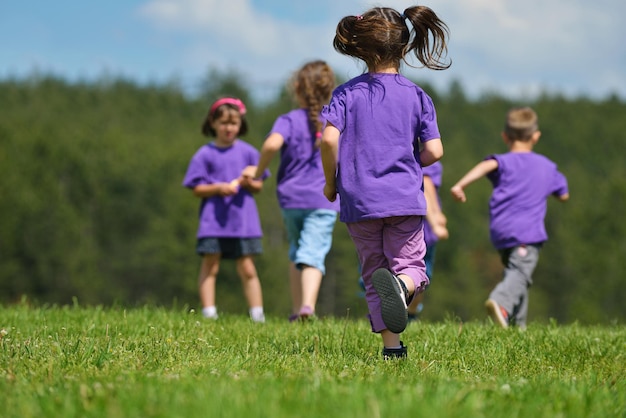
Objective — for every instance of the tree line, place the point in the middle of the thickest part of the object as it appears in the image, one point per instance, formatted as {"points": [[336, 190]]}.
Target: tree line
{"points": [[92, 207]]}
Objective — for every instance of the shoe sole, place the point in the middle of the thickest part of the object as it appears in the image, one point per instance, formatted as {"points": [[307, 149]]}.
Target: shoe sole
{"points": [[393, 308], [493, 309]]}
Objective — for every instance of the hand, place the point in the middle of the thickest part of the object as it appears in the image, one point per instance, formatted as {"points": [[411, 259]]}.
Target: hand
{"points": [[441, 231], [438, 225], [249, 171], [229, 189], [245, 182], [458, 193], [330, 192], [253, 185]]}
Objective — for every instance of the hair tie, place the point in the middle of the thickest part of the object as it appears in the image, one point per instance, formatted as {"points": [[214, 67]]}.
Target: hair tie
{"points": [[318, 135], [403, 16], [359, 17], [231, 101]]}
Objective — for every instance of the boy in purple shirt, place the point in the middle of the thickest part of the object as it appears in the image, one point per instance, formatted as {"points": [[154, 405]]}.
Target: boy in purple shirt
{"points": [[522, 182], [229, 225]]}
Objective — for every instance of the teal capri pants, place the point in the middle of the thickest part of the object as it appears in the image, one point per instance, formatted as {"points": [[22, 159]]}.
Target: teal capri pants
{"points": [[310, 235]]}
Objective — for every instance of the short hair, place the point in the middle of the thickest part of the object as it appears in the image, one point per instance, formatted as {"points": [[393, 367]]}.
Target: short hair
{"points": [[521, 123], [218, 109]]}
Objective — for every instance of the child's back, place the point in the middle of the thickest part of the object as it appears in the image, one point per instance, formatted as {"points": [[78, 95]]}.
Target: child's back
{"points": [[377, 152], [522, 183], [300, 177]]}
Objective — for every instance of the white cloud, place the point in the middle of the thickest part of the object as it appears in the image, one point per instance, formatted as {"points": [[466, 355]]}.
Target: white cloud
{"points": [[235, 22], [514, 47], [233, 34]]}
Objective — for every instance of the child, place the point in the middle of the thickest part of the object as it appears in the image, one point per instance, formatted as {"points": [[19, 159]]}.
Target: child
{"points": [[434, 229], [374, 123], [309, 217], [522, 182], [229, 224]]}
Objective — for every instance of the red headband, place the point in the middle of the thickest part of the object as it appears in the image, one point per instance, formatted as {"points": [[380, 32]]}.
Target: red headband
{"points": [[231, 101]]}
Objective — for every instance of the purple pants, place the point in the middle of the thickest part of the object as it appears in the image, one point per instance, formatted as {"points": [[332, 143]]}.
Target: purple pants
{"points": [[395, 243]]}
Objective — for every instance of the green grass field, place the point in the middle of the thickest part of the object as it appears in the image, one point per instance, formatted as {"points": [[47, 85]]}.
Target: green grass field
{"points": [[152, 362]]}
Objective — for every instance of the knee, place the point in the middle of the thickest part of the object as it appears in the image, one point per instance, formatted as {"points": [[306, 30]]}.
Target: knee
{"points": [[247, 272]]}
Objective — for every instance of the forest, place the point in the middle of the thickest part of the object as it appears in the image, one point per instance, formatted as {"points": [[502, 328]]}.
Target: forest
{"points": [[92, 210]]}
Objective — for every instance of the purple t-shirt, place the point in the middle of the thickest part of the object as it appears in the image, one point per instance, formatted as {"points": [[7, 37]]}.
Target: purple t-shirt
{"points": [[521, 187], [435, 172], [381, 117], [233, 216], [300, 178]]}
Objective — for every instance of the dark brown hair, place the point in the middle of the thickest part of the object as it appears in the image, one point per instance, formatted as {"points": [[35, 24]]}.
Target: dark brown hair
{"points": [[381, 37], [521, 124], [312, 85], [218, 109]]}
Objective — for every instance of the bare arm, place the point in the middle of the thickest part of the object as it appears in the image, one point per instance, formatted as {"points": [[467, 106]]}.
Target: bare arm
{"points": [[481, 169], [215, 189], [431, 152], [251, 176], [329, 150], [272, 144], [434, 216]]}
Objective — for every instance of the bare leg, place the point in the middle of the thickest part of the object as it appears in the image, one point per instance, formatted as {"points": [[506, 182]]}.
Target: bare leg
{"points": [[250, 281], [417, 299], [295, 282], [311, 282], [408, 282], [390, 339], [206, 279]]}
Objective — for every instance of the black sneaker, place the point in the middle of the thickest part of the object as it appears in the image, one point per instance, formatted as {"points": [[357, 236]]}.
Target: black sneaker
{"points": [[393, 299], [394, 353]]}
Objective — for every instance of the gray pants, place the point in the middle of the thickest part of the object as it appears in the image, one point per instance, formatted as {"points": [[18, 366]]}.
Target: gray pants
{"points": [[512, 292]]}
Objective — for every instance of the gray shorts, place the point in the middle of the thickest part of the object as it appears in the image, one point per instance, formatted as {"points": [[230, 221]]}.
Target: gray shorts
{"points": [[229, 248]]}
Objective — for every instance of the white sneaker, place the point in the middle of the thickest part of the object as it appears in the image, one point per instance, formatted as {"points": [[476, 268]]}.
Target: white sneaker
{"points": [[497, 313]]}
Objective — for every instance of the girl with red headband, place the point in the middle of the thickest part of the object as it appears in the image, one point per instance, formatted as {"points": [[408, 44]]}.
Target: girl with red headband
{"points": [[229, 224]]}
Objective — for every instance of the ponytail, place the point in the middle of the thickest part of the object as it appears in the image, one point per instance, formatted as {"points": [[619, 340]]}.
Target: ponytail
{"points": [[430, 34]]}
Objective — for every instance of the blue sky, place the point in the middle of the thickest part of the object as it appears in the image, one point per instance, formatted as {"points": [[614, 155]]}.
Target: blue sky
{"points": [[572, 47]]}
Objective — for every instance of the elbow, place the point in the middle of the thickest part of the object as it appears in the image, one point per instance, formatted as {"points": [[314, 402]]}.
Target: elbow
{"points": [[436, 151], [326, 143], [431, 157], [271, 147], [432, 152]]}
